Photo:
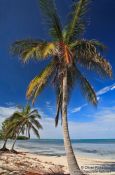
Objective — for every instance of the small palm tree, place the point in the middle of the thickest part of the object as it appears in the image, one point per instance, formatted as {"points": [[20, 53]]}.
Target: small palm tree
{"points": [[23, 121], [68, 51]]}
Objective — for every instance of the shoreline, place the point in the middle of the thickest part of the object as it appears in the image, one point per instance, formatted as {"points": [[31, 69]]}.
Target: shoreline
{"points": [[34, 163]]}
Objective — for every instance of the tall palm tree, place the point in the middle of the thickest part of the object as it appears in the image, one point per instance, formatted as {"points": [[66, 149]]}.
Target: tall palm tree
{"points": [[23, 121], [67, 51]]}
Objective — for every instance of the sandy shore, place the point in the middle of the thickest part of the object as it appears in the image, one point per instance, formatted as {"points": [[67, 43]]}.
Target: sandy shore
{"points": [[31, 164]]}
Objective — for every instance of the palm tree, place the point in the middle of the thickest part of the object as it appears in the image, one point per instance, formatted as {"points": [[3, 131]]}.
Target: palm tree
{"points": [[67, 51], [28, 120], [23, 121]]}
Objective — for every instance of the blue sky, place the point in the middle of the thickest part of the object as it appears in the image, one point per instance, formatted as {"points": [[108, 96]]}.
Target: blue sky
{"points": [[20, 19]]}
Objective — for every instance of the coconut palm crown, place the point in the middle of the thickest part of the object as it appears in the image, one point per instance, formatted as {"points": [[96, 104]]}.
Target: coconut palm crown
{"points": [[67, 51], [22, 122]]}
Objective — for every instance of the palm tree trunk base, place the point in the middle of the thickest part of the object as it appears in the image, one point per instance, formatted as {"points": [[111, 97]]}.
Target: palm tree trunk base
{"points": [[4, 149], [13, 151]]}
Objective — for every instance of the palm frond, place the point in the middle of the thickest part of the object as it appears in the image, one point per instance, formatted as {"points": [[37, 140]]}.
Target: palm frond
{"points": [[71, 75], [49, 11], [88, 53], [35, 114], [35, 131], [28, 129], [15, 116], [48, 50], [36, 123], [29, 49], [22, 129], [59, 107], [39, 82], [89, 44], [77, 22], [12, 129], [86, 88], [27, 109]]}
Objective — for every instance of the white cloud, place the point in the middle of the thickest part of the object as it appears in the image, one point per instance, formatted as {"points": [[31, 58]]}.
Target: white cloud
{"points": [[106, 89], [98, 98], [49, 130], [41, 112], [50, 107], [77, 109], [6, 112], [113, 87], [48, 102], [102, 126], [10, 104], [98, 93]]}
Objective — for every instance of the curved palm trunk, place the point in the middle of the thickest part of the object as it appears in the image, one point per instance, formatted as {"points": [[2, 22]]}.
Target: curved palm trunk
{"points": [[12, 149], [72, 163], [4, 146]]}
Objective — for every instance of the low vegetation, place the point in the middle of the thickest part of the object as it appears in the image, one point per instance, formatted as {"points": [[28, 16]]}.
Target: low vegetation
{"points": [[22, 138]]}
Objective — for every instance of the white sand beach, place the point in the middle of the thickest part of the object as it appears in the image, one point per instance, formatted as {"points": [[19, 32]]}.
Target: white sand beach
{"points": [[32, 164]]}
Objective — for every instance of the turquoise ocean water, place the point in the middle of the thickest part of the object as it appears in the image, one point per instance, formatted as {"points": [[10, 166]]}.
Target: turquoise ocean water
{"points": [[98, 148]]}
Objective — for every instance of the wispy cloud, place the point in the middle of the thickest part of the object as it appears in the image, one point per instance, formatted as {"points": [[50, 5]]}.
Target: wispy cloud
{"points": [[98, 93], [10, 104], [106, 89], [48, 102], [77, 109], [50, 107]]}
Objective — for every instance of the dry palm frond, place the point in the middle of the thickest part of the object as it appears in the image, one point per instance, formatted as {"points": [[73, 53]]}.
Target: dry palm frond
{"points": [[88, 54]]}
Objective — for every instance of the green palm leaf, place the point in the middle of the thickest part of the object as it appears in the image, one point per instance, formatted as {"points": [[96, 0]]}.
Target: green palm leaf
{"points": [[35, 114], [35, 131], [36, 123], [49, 11], [77, 22], [86, 88]]}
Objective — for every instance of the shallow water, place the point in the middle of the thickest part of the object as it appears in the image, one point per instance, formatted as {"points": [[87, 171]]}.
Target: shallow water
{"points": [[98, 148]]}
